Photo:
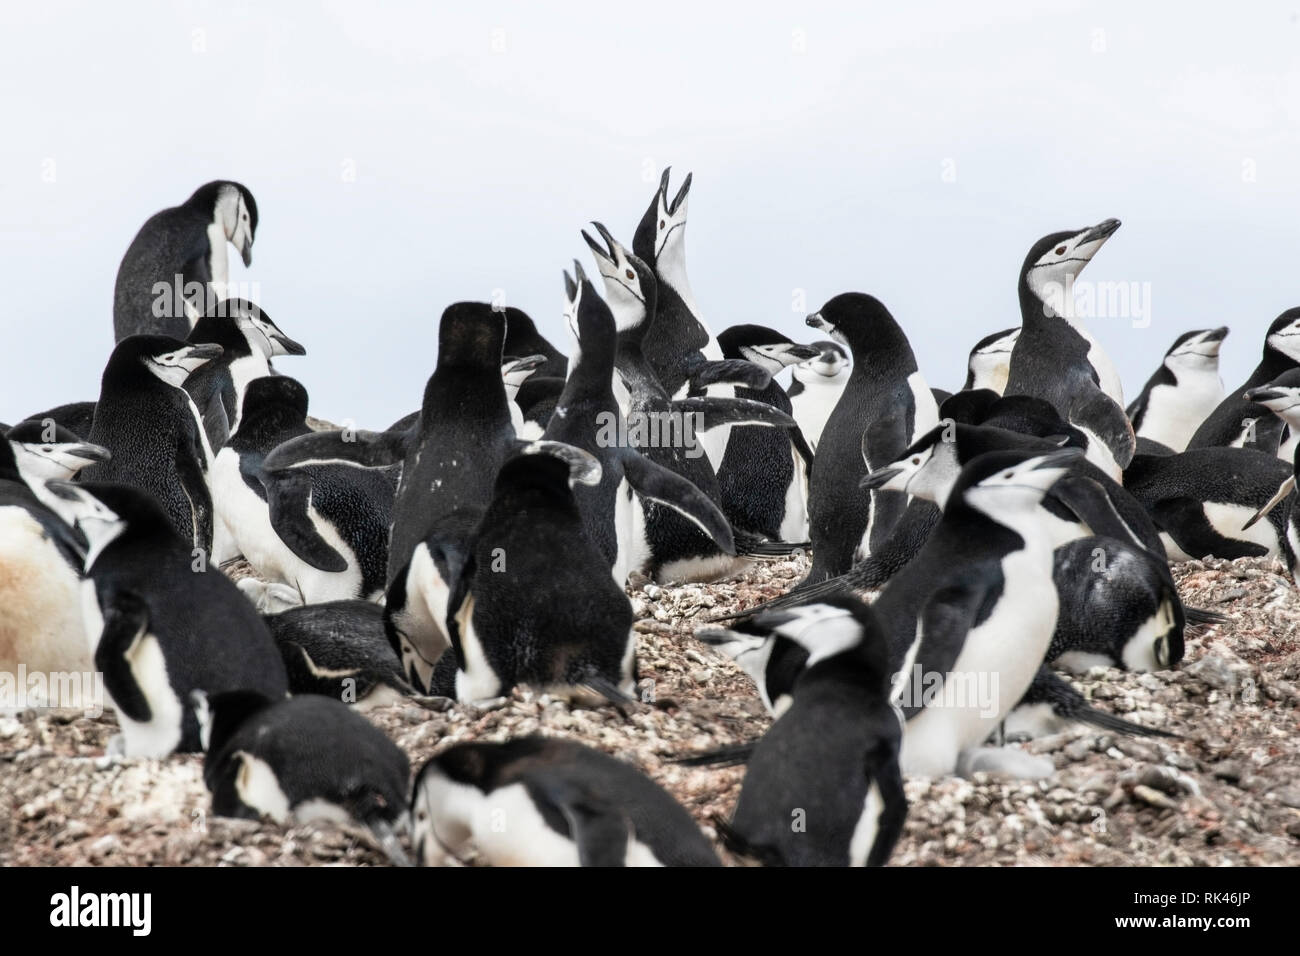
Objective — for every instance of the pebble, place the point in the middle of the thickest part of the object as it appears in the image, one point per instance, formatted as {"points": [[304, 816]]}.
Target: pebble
{"points": [[1154, 798]]}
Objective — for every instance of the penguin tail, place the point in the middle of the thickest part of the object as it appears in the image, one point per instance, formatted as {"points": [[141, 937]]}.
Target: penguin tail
{"points": [[1198, 615], [742, 847], [733, 755], [387, 839], [1106, 721], [756, 546], [608, 690]]}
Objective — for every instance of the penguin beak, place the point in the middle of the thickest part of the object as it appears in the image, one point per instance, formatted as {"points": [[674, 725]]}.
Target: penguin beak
{"points": [[1098, 233], [527, 364], [64, 489], [606, 254], [205, 352], [89, 452], [799, 353], [246, 253], [816, 321], [881, 476], [1216, 335], [1265, 394], [681, 193], [283, 345]]}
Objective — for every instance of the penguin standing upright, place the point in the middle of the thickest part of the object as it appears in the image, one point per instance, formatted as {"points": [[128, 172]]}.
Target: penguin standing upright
{"points": [[568, 805], [764, 472], [1182, 393], [1057, 359], [41, 627], [176, 265], [831, 759], [1238, 422], [815, 388], [146, 419], [541, 607], [161, 623], [885, 383], [303, 759], [321, 528]]}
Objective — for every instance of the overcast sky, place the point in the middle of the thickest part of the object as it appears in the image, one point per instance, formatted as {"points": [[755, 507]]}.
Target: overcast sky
{"points": [[403, 159]]}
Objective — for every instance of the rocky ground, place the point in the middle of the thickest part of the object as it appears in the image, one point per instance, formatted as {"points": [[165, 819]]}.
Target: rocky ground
{"points": [[1226, 792]]}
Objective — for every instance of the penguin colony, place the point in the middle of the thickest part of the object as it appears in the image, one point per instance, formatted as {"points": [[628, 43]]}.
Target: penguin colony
{"points": [[967, 547]]}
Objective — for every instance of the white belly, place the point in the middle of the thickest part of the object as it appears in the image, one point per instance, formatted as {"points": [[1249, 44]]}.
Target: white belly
{"points": [[41, 624], [1173, 414]]}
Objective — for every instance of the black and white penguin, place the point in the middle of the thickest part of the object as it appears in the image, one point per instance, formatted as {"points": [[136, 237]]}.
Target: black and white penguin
{"points": [[567, 805], [521, 623], [178, 252], [514, 372], [146, 419], [522, 338], [537, 398], [989, 363], [161, 622], [815, 388], [339, 649], [321, 528], [1240, 423], [1183, 392], [46, 451], [764, 472], [1203, 500], [1057, 359], [41, 627], [249, 340], [1282, 397], [591, 418], [449, 461], [303, 759], [669, 432], [823, 785], [885, 383]]}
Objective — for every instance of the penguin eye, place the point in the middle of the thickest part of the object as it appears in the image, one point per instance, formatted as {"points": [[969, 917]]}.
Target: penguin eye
{"points": [[916, 460], [1060, 250], [661, 223], [47, 449], [422, 816], [1009, 475], [631, 274]]}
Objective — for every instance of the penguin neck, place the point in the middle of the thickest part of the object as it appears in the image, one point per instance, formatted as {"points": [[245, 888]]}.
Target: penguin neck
{"points": [[1271, 365], [1035, 312], [637, 373]]}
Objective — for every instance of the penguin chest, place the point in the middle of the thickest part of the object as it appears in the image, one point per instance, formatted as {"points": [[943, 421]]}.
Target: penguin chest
{"points": [[41, 622], [246, 517], [1173, 413]]}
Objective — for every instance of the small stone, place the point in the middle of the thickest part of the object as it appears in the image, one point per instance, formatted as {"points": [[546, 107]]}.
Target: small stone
{"points": [[1288, 796], [1154, 798], [1229, 770]]}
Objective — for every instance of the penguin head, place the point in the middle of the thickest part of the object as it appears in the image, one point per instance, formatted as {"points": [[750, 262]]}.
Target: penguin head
{"points": [[448, 796], [553, 461], [830, 361], [1009, 486], [861, 322], [45, 450], [169, 360], [472, 335], [259, 331], [990, 360], [515, 371], [1280, 396], [661, 234], [630, 286], [592, 329], [279, 397], [766, 348], [234, 210], [80, 507], [927, 469], [1196, 351], [1284, 335], [1054, 261]]}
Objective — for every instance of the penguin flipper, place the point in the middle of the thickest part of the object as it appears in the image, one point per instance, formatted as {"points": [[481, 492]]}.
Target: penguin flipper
{"points": [[944, 622], [346, 447], [1183, 519], [802, 449], [600, 830], [733, 755], [1283, 491], [883, 769], [195, 486], [742, 847], [1088, 500], [657, 483], [126, 619], [802, 593], [1107, 421], [584, 467], [288, 495], [714, 412], [730, 372], [1068, 704]]}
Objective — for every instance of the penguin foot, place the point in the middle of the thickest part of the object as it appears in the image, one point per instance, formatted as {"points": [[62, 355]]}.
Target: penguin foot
{"points": [[1005, 760]]}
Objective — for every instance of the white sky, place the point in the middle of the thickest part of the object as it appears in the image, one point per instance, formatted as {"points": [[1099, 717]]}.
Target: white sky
{"points": [[484, 137]]}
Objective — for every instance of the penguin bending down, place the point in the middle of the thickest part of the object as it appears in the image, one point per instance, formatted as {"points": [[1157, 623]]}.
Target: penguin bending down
{"points": [[176, 265], [1240, 423], [515, 619], [568, 805], [611, 512], [248, 340], [831, 757], [46, 451], [302, 759], [146, 419], [765, 472], [160, 623], [885, 382], [449, 462], [989, 364], [339, 649], [41, 556], [1203, 501], [321, 528], [675, 547], [815, 387], [1183, 392], [1057, 359]]}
